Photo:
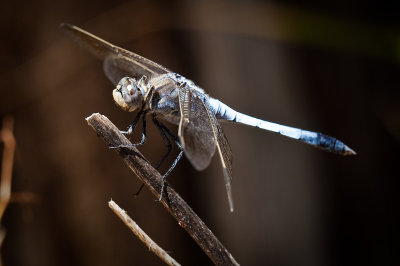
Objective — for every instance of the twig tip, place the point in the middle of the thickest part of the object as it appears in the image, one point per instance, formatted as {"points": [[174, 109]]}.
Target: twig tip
{"points": [[91, 116]]}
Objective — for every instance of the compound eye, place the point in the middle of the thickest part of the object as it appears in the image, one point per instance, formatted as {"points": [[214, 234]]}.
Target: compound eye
{"points": [[130, 89]]}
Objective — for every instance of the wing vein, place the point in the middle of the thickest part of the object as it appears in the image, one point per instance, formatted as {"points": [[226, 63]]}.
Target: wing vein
{"points": [[225, 153]]}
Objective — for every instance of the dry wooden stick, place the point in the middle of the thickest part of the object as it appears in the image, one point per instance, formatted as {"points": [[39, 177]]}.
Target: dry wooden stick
{"points": [[172, 201], [156, 249]]}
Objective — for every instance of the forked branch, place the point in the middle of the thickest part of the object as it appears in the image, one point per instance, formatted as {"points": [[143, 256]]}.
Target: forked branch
{"points": [[171, 200]]}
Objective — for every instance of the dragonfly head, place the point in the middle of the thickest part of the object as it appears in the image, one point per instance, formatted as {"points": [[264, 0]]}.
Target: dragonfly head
{"points": [[129, 94]]}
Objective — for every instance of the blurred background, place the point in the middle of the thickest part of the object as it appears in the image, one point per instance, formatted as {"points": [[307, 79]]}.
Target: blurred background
{"points": [[327, 66]]}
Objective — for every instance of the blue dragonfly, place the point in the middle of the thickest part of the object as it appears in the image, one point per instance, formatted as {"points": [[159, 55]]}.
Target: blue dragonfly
{"points": [[154, 90]]}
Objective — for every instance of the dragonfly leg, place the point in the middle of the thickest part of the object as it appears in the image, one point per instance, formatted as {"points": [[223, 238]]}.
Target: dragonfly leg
{"points": [[139, 190], [143, 131], [163, 134], [142, 115], [167, 142], [164, 131], [168, 172], [134, 123]]}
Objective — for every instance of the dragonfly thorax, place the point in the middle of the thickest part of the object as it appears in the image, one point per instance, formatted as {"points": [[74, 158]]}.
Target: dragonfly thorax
{"points": [[129, 93]]}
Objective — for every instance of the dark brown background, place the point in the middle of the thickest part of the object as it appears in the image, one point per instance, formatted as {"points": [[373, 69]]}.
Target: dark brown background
{"points": [[328, 67]]}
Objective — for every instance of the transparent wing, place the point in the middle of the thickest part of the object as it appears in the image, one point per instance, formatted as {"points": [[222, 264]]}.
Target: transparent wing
{"points": [[225, 154], [195, 131], [117, 67], [200, 132], [118, 62]]}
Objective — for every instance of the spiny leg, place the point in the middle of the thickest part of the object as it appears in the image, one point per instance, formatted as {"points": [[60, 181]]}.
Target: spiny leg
{"points": [[142, 115], [167, 142], [169, 171], [163, 134], [139, 190], [164, 131], [139, 143], [143, 131], [134, 123]]}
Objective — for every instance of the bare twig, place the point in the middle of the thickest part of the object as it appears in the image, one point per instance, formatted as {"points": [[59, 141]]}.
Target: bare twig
{"points": [[172, 201], [156, 249]]}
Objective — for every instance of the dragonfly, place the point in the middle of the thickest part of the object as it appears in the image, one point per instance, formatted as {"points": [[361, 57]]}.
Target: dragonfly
{"points": [[154, 90]]}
